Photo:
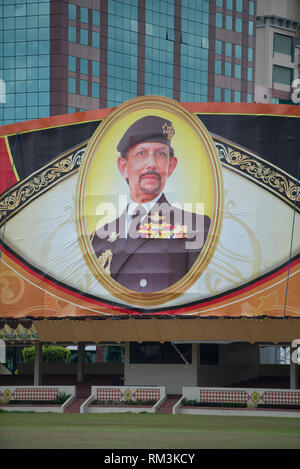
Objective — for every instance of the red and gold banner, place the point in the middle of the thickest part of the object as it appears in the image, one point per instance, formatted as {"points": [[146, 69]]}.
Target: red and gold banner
{"points": [[217, 231]]}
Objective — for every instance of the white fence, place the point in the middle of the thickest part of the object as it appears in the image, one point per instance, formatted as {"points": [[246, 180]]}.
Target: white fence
{"points": [[39, 394], [123, 395], [243, 395]]}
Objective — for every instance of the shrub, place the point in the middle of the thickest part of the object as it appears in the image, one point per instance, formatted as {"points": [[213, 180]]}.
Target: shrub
{"points": [[61, 398], [50, 354]]}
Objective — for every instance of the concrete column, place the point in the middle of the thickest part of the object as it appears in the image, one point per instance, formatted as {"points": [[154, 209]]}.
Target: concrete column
{"points": [[195, 363], [294, 376], [37, 372], [294, 368], [80, 361]]}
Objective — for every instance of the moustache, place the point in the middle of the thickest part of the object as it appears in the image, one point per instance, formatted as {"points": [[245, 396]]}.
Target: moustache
{"points": [[150, 173]]}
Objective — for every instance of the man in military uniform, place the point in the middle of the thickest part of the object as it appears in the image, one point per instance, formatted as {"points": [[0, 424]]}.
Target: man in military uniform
{"points": [[152, 245]]}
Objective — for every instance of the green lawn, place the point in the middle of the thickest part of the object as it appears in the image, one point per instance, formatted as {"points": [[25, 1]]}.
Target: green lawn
{"points": [[142, 431]]}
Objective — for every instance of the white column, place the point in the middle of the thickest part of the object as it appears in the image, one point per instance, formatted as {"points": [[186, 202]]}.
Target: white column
{"points": [[37, 372], [80, 361]]}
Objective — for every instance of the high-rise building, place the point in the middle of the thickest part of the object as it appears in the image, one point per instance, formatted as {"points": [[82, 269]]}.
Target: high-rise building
{"points": [[61, 56], [277, 50]]}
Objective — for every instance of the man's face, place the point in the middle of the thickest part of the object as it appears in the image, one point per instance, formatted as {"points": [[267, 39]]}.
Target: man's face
{"points": [[147, 167]]}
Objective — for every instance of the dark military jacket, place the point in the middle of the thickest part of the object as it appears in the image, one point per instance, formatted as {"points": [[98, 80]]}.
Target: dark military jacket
{"points": [[164, 249]]}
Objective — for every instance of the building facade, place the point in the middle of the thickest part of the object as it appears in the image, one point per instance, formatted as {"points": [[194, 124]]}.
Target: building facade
{"points": [[60, 56], [277, 51]]}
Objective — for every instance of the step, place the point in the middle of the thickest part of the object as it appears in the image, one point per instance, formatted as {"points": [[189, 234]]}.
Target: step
{"points": [[74, 407], [167, 406]]}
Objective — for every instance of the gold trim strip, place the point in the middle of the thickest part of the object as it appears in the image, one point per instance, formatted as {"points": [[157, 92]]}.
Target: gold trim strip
{"points": [[11, 159]]}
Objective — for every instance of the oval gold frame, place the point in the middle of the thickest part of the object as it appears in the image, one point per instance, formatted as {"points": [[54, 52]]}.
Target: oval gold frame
{"points": [[177, 289]]}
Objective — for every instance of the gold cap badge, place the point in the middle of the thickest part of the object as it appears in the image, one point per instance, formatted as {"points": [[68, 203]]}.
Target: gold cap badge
{"points": [[168, 130]]}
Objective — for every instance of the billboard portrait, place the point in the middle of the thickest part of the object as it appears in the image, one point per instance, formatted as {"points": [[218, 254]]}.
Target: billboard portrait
{"points": [[152, 208], [149, 201]]}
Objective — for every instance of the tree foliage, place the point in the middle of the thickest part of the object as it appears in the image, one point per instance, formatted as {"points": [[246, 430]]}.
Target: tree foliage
{"points": [[50, 354]]}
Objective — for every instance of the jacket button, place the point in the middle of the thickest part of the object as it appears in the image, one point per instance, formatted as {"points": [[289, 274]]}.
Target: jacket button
{"points": [[143, 283]]}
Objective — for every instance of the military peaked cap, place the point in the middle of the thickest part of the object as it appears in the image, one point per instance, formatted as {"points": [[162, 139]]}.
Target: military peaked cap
{"points": [[147, 129]]}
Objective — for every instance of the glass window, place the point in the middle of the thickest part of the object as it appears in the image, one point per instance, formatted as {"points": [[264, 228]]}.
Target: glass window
{"points": [[239, 6], [84, 66], [44, 99], [95, 39], [84, 37], [218, 67], [21, 22], [228, 49], [228, 69], [238, 71], [72, 34], [229, 4], [220, 3], [219, 47], [95, 69], [44, 47], [249, 74], [44, 111], [209, 353], [283, 44], [283, 75], [84, 87], [32, 112], [71, 109], [238, 25], [155, 352], [32, 85], [72, 12], [251, 8], [71, 85], [44, 72], [217, 94], [228, 23], [250, 28], [237, 96], [8, 49], [21, 99], [8, 23], [44, 34], [84, 15], [249, 98], [21, 113], [95, 90], [21, 48], [219, 20], [32, 21], [71, 63], [44, 21], [96, 18], [32, 34], [32, 48], [9, 11], [250, 54], [44, 8], [20, 35], [238, 51]]}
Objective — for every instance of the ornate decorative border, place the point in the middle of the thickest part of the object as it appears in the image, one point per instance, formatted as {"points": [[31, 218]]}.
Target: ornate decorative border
{"points": [[39, 182], [233, 157], [259, 171]]}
